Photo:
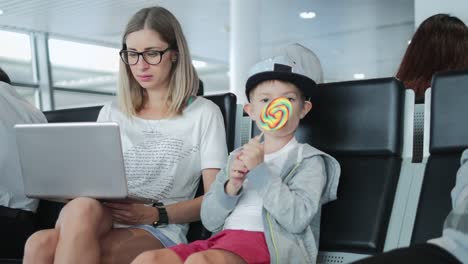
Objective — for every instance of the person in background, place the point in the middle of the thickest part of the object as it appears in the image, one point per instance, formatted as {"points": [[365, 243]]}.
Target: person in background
{"points": [[452, 246], [17, 212], [439, 44], [169, 138]]}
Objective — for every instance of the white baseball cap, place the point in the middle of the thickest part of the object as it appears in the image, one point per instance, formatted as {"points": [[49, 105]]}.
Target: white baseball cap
{"points": [[290, 67]]}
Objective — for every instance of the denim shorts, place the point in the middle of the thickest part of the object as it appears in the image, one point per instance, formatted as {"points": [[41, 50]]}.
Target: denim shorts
{"points": [[156, 232]]}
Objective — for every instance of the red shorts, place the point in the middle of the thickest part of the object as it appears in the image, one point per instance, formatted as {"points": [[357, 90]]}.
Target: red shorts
{"points": [[250, 246]]}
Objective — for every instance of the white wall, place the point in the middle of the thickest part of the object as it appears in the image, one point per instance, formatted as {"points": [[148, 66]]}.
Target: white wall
{"points": [[426, 8]]}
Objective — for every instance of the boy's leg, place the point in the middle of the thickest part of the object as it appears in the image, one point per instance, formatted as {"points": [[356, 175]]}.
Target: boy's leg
{"points": [[215, 256], [157, 256]]}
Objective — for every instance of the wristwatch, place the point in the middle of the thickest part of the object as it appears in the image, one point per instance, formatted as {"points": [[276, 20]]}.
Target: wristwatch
{"points": [[163, 218]]}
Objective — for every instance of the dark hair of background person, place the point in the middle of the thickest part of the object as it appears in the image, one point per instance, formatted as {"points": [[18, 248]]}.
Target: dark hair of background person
{"points": [[4, 77], [439, 44]]}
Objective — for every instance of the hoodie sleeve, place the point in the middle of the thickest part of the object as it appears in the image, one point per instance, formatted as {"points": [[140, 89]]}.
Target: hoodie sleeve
{"points": [[294, 204], [460, 191], [217, 205]]}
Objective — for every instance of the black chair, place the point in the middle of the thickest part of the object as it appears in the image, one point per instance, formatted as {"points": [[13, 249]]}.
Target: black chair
{"points": [[82, 114], [448, 138], [227, 104], [360, 123]]}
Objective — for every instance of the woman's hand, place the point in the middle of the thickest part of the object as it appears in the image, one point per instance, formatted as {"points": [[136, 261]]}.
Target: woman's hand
{"points": [[133, 214]]}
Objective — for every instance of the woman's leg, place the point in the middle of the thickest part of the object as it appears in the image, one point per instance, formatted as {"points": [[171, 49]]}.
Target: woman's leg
{"points": [[122, 245], [40, 247], [82, 223]]}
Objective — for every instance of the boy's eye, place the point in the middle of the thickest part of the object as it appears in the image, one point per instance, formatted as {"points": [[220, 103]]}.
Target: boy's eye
{"points": [[292, 99], [264, 100]]}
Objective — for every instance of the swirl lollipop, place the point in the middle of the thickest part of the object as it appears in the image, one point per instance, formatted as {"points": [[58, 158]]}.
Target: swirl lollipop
{"points": [[275, 115]]}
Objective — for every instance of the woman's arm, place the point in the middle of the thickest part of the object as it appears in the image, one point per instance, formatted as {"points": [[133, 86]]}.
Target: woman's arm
{"points": [[178, 213]]}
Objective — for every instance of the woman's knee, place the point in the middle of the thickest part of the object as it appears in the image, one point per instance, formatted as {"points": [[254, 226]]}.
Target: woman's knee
{"points": [[41, 244], [83, 212]]}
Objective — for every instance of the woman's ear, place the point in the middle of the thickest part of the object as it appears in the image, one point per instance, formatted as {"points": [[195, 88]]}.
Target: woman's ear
{"points": [[175, 56], [306, 108]]}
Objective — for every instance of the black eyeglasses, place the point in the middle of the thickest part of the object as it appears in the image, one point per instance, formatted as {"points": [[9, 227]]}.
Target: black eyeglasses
{"points": [[152, 57]]}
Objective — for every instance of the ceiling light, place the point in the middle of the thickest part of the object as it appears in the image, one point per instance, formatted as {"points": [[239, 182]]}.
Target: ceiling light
{"points": [[198, 64], [409, 41], [359, 76], [307, 15], [1, 12]]}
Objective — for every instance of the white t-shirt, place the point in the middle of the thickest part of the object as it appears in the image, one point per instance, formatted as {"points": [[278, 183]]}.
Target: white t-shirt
{"points": [[248, 212], [164, 158], [14, 110]]}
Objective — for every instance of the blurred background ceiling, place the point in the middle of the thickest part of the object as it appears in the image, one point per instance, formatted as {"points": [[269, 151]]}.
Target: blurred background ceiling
{"points": [[353, 38], [362, 33]]}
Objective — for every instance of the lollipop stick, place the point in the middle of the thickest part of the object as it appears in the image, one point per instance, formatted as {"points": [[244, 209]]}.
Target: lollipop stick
{"points": [[261, 137]]}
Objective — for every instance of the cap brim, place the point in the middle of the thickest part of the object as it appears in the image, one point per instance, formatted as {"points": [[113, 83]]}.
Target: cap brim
{"points": [[305, 84]]}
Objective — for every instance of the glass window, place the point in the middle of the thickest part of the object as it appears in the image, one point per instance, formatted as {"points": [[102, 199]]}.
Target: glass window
{"points": [[83, 66], [15, 56], [66, 99]]}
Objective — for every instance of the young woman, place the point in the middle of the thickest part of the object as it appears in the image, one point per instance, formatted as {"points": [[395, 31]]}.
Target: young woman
{"points": [[439, 44], [170, 137]]}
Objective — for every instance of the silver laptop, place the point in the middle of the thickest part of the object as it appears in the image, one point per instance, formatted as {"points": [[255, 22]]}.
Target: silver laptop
{"points": [[69, 160]]}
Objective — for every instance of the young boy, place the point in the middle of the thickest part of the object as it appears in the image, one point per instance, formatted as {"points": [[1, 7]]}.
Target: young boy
{"points": [[266, 203]]}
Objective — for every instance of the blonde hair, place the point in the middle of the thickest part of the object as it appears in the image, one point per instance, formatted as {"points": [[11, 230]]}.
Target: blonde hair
{"points": [[184, 79]]}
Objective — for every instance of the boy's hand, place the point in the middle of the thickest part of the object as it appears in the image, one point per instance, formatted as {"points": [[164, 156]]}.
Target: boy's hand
{"points": [[252, 153], [237, 173]]}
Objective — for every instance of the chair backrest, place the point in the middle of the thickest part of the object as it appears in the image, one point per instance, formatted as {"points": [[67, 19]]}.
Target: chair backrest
{"points": [[448, 138], [227, 104], [361, 124], [83, 114]]}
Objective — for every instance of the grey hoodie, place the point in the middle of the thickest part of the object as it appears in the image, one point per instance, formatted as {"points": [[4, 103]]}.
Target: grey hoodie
{"points": [[455, 233], [291, 203]]}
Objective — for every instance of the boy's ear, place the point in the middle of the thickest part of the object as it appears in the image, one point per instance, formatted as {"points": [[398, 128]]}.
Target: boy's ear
{"points": [[248, 110], [306, 108]]}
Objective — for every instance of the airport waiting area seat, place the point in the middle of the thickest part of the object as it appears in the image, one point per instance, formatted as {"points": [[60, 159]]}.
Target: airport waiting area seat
{"points": [[446, 132], [360, 123]]}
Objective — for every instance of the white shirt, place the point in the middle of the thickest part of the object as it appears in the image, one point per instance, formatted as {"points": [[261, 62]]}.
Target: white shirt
{"points": [[14, 110], [165, 158], [248, 212]]}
